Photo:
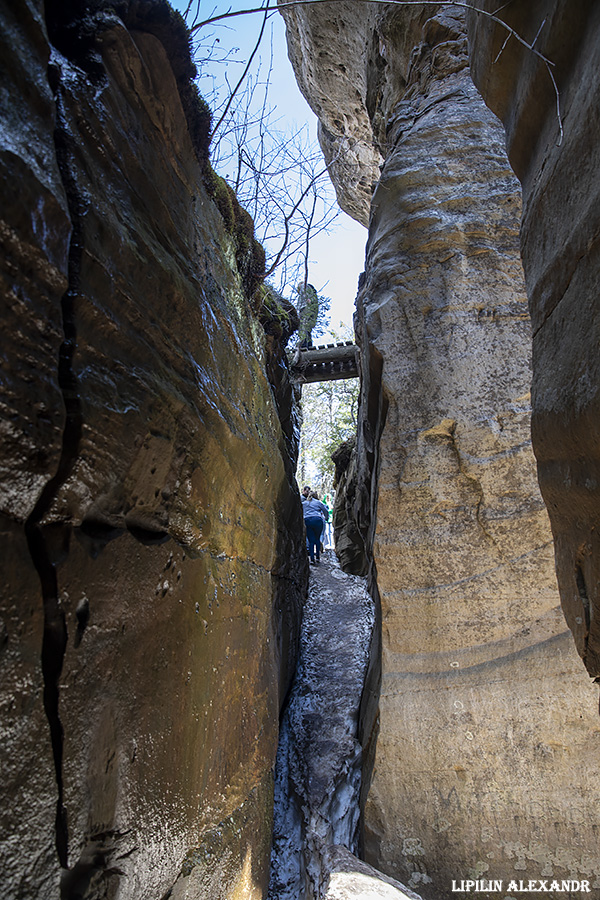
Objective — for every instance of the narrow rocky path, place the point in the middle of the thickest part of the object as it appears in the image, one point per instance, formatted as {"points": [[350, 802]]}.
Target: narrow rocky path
{"points": [[318, 770]]}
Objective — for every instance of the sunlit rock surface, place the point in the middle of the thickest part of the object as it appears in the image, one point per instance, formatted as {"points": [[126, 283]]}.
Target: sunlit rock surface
{"points": [[350, 879], [331, 60], [557, 163], [487, 719], [152, 579]]}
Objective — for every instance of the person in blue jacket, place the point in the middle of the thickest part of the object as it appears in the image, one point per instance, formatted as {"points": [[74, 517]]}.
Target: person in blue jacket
{"points": [[315, 516]]}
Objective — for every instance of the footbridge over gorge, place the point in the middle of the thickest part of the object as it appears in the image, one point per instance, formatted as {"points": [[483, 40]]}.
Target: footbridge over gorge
{"points": [[329, 362]]}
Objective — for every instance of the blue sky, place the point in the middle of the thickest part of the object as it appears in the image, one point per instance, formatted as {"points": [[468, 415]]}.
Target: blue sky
{"points": [[337, 258]]}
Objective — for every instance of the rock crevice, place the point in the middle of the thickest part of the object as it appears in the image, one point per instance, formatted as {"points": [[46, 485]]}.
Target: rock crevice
{"points": [[55, 636], [319, 761]]}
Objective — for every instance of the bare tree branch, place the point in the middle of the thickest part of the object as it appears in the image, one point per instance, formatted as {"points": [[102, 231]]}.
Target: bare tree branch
{"points": [[307, 239], [287, 220], [246, 70], [460, 4], [278, 176], [556, 91]]}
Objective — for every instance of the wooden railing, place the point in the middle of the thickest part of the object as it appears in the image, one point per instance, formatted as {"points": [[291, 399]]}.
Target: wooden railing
{"points": [[330, 362]]}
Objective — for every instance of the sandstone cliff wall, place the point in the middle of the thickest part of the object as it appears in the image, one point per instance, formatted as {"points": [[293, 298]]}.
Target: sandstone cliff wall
{"points": [[152, 578], [556, 157], [487, 722]]}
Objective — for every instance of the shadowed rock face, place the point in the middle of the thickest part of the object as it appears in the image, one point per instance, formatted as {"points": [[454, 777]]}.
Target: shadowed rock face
{"points": [[152, 578], [479, 673], [559, 243]]}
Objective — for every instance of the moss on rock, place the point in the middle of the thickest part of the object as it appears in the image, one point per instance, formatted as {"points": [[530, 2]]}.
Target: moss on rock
{"points": [[249, 253], [277, 315]]}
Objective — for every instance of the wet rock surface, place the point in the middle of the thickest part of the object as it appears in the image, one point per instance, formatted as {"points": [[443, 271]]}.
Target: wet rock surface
{"points": [[319, 761], [478, 671], [151, 532]]}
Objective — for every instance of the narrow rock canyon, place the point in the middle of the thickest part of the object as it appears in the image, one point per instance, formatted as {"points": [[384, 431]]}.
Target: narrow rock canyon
{"points": [[152, 535]]}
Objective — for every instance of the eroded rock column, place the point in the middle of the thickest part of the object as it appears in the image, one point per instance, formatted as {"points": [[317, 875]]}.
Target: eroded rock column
{"points": [[469, 702], [479, 673]]}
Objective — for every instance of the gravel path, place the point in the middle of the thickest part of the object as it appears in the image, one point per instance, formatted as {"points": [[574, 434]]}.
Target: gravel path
{"points": [[319, 760]]}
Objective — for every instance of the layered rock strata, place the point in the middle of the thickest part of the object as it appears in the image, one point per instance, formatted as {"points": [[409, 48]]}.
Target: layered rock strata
{"points": [[152, 546], [484, 708], [550, 116]]}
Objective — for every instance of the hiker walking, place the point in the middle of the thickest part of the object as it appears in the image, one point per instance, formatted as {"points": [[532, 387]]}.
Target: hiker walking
{"points": [[328, 532], [315, 516]]}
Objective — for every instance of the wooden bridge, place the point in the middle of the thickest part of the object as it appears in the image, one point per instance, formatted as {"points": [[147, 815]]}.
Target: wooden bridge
{"points": [[330, 362]]}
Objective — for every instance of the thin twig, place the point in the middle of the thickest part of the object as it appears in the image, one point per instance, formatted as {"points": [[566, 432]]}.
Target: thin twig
{"points": [[538, 32], [307, 239], [231, 14], [560, 126], [461, 4], [501, 50], [245, 72]]}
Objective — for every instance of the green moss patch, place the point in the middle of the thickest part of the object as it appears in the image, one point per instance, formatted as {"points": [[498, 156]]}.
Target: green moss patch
{"points": [[249, 253], [277, 315]]}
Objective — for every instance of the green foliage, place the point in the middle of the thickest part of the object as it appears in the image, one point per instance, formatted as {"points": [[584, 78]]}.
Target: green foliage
{"points": [[322, 325], [277, 315], [249, 253], [329, 418]]}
